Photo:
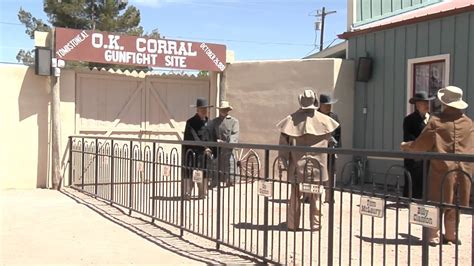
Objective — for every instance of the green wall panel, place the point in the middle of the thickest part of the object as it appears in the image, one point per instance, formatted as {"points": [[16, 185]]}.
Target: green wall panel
{"points": [[370, 94], [388, 88], [470, 77]]}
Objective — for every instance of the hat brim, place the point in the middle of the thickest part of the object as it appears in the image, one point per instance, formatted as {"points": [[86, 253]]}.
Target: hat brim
{"points": [[205, 106], [333, 101], [309, 107], [225, 107], [459, 104], [414, 100]]}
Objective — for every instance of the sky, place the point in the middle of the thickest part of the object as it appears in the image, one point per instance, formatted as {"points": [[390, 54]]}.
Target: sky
{"points": [[254, 30]]}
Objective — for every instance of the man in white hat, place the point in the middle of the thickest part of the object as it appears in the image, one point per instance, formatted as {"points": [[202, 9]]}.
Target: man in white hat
{"points": [[225, 128], [305, 127], [451, 131]]}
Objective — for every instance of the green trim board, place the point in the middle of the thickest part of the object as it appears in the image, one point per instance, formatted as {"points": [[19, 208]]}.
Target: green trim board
{"points": [[368, 11]]}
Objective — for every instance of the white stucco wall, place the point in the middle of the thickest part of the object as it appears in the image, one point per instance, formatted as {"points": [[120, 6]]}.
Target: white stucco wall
{"points": [[262, 93], [25, 119]]}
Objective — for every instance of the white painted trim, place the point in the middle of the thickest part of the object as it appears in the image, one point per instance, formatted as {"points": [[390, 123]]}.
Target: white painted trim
{"points": [[413, 61]]}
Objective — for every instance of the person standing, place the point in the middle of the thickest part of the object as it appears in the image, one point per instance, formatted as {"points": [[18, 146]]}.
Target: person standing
{"points": [[194, 156], [225, 128], [451, 131], [305, 127], [325, 107], [413, 124]]}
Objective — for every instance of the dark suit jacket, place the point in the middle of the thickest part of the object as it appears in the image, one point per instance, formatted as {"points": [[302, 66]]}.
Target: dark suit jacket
{"points": [[336, 134], [195, 131], [412, 126]]}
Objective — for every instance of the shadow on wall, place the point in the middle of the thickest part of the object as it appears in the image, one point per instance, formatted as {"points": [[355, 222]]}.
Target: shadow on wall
{"points": [[33, 100]]}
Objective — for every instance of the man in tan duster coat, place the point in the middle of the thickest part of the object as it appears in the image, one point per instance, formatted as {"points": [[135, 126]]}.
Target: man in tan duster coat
{"points": [[451, 131], [305, 127]]}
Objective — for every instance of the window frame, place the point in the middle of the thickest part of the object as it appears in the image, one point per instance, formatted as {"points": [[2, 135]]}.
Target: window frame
{"points": [[411, 63]]}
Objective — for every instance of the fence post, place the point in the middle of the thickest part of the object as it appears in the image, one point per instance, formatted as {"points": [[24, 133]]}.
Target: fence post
{"points": [[70, 161], [265, 205], [184, 165], [82, 165], [130, 191], [96, 172], [112, 168], [331, 212], [218, 218], [425, 250], [153, 180]]}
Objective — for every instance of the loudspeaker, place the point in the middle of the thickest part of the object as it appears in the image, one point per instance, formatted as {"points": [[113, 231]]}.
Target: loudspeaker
{"points": [[364, 69], [43, 61]]}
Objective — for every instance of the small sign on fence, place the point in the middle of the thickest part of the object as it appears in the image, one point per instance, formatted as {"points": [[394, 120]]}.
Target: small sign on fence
{"points": [[166, 171], [311, 188], [140, 166], [265, 188], [372, 206], [424, 215], [197, 176]]}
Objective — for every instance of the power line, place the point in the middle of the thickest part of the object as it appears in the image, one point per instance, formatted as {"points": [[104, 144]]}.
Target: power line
{"points": [[214, 39], [11, 23], [242, 41]]}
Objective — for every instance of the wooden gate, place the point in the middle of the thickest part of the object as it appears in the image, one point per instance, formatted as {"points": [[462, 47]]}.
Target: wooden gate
{"points": [[153, 106]]}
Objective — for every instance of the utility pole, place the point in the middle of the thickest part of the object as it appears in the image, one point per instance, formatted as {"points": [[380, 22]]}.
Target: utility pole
{"points": [[56, 123], [319, 24]]}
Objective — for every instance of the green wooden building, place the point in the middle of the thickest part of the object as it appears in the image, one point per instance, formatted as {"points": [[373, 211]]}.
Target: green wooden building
{"points": [[413, 45]]}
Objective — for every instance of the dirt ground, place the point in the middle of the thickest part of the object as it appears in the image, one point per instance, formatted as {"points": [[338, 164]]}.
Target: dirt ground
{"points": [[45, 227]]}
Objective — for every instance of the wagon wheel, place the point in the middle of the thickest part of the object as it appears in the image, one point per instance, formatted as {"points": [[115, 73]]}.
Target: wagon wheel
{"points": [[249, 164]]}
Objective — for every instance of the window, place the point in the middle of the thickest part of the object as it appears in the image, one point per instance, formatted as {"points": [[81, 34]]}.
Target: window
{"points": [[427, 74]]}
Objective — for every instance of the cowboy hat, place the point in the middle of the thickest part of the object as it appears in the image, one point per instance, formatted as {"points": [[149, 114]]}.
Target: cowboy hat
{"points": [[306, 99], [326, 99], [452, 96], [225, 105], [201, 102], [420, 96]]}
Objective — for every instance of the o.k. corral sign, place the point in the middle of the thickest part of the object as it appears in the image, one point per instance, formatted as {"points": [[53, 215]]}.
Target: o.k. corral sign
{"points": [[110, 48]]}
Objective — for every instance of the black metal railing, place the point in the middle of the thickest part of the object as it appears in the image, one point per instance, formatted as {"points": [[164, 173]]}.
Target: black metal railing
{"points": [[242, 195]]}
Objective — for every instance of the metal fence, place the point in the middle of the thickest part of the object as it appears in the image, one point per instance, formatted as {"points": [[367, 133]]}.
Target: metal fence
{"points": [[248, 195]]}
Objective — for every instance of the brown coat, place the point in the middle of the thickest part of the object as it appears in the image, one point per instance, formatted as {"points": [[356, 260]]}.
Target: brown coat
{"points": [[448, 132], [306, 128]]}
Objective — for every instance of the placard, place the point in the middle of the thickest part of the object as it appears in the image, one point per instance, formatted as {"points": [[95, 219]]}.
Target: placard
{"points": [[197, 176], [140, 166], [311, 188], [166, 170], [424, 215], [372, 206], [265, 188]]}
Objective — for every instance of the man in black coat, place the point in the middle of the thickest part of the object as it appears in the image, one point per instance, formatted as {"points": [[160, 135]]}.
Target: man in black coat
{"points": [[413, 124], [193, 156], [325, 107]]}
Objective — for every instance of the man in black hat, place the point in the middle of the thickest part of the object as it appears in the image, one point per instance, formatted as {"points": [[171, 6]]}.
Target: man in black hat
{"points": [[413, 124], [193, 156], [325, 107]]}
